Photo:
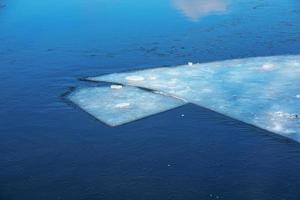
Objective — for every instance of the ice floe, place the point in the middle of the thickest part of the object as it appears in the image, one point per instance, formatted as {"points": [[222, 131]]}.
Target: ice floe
{"points": [[260, 91], [124, 104]]}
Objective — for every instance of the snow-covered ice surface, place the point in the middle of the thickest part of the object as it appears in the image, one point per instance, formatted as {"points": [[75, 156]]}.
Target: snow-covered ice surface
{"points": [[262, 91], [117, 105]]}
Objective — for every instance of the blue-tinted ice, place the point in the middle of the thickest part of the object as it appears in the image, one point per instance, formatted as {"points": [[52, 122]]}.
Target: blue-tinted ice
{"points": [[260, 91], [116, 105]]}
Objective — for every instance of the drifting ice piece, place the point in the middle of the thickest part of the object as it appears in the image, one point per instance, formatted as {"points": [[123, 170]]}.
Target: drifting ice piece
{"points": [[119, 105], [259, 91]]}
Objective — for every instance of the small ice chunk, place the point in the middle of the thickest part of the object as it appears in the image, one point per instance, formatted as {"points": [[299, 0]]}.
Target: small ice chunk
{"points": [[190, 64], [116, 87], [298, 96], [122, 105], [268, 67], [135, 78]]}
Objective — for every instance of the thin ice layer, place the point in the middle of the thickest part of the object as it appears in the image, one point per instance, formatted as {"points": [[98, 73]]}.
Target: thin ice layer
{"points": [[261, 91], [118, 105]]}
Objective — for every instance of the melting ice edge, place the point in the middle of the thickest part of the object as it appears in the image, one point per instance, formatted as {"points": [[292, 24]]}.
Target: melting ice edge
{"points": [[262, 91]]}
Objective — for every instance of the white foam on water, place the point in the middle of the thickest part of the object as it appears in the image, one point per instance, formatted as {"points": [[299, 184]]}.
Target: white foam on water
{"points": [[253, 90], [122, 105]]}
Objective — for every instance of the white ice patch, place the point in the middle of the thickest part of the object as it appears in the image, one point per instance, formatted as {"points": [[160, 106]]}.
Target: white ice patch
{"points": [[122, 105], [268, 67], [253, 90], [280, 122], [135, 78], [116, 87], [119, 106]]}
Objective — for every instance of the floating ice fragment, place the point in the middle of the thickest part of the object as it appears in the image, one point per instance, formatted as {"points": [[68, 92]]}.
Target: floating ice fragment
{"points": [[190, 64], [116, 87], [298, 96], [233, 88], [116, 107]]}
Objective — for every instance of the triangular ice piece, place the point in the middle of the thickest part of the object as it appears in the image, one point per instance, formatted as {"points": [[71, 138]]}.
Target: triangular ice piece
{"points": [[116, 105]]}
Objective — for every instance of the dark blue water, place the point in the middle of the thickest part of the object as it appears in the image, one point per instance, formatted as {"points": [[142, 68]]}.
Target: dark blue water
{"points": [[50, 150]]}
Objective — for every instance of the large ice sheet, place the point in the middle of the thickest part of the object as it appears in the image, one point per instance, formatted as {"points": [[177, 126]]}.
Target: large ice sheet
{"points": [[116, 105], [263, 91]]}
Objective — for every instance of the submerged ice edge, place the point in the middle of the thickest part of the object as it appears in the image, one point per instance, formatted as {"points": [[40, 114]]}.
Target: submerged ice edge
{"points": [[259, 91], [117, 105]]}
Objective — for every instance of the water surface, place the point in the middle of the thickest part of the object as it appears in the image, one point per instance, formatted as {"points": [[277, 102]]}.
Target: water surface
{"points": [[50, 150]]}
